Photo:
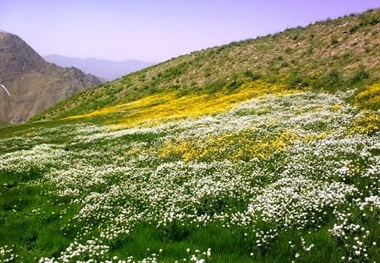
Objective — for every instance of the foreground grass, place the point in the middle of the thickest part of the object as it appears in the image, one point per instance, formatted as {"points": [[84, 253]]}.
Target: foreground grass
{"points": [[275, 178]]}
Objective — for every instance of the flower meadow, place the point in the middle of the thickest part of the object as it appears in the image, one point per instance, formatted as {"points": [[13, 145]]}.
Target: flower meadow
{"points": [[282, 177]]}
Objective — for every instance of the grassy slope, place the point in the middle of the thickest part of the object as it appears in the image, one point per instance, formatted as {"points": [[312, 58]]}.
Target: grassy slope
{"points": [[326, 55], [247, 163]]}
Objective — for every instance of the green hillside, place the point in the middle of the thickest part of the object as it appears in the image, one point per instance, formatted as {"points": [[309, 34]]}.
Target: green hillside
{"points": [[265, 150], [330, 55]]}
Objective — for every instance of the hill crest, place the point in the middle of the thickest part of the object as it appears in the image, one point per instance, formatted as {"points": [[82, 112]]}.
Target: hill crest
{"points": [[330, 55]]}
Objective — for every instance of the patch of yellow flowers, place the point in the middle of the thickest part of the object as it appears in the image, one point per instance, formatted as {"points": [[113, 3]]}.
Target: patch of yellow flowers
{"points": [[368, 122], [369, 97], [241, 146], [169, 106]]}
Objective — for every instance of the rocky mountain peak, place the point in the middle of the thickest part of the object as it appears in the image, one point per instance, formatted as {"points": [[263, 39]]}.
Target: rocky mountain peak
{"points": [[17, 56], [29, 84]]}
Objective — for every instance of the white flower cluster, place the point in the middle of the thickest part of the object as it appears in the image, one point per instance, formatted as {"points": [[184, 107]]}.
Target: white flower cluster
{"points": [[353, 236], [198, 256], [297, 201], [77, 252], [372, 202], [7, 254], [38, 157]]}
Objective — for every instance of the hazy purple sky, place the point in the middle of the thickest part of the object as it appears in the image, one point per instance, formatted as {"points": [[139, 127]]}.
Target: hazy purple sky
{"points": [[157, 30]]}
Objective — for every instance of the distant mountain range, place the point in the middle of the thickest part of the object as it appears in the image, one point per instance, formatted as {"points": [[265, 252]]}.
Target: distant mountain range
{"points": [[29, 84], [104, 69]]}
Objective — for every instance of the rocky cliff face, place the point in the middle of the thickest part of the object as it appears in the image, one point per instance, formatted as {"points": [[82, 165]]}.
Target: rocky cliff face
{"points": [[29, 84]]}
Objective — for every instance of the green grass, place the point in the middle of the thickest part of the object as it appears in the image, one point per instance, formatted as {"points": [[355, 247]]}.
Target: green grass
{"points": [[21, 221]]}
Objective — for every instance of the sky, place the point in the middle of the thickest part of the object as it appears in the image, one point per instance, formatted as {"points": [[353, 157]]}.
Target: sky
{"points": [[157, 30]]}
